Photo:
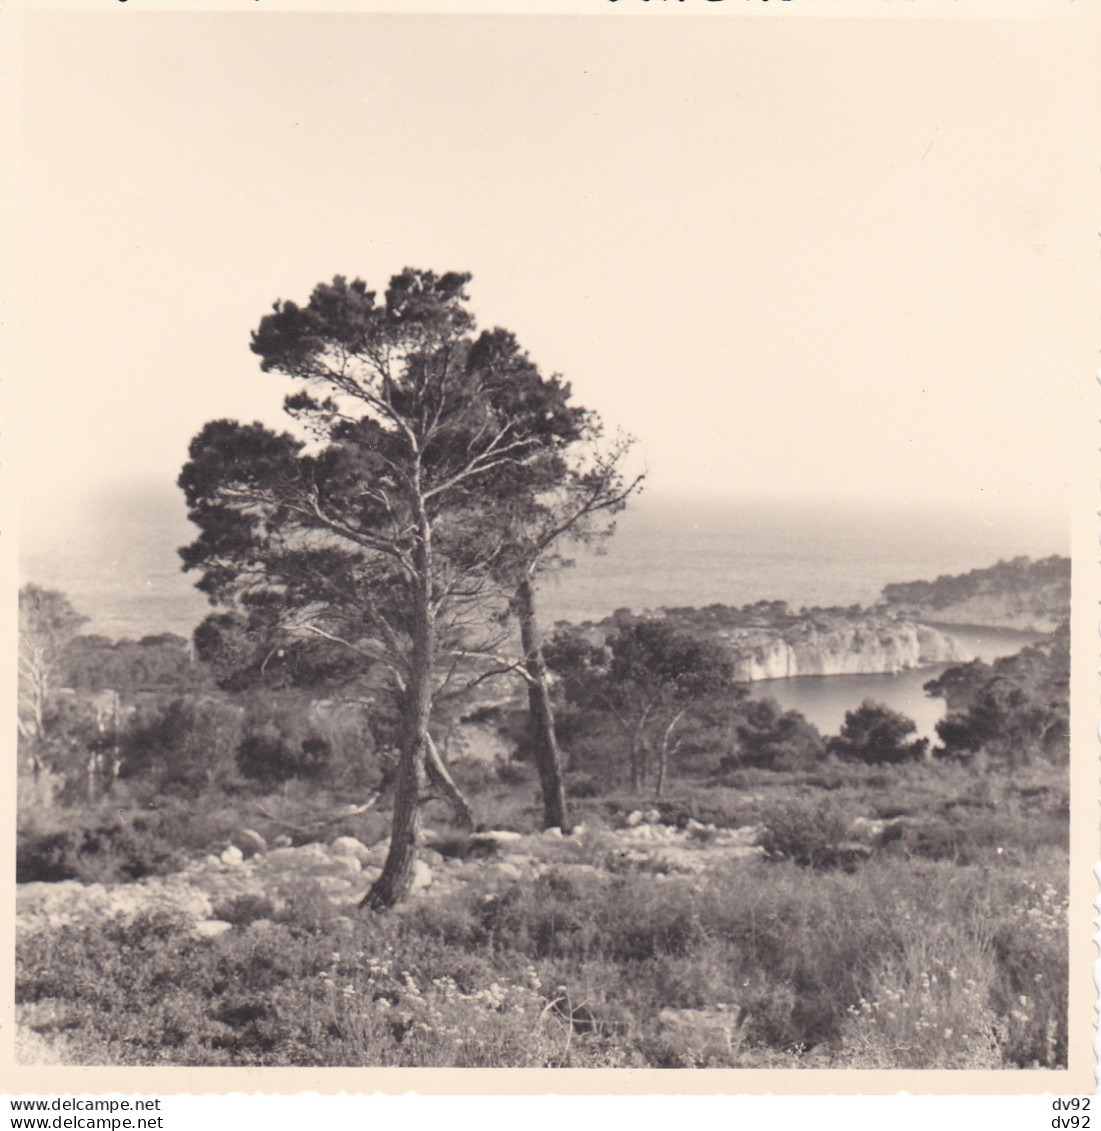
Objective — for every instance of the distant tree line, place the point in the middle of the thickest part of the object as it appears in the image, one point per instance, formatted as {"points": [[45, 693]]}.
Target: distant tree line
{"points": [[1018, 576]]}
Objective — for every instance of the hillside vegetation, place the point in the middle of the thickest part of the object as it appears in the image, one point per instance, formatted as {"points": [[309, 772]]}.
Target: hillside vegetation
{"points": [[1020, 593], [791, 900]]}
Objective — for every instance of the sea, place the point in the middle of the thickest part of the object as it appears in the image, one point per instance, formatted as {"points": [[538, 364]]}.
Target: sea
{"points": [[113, 551]]}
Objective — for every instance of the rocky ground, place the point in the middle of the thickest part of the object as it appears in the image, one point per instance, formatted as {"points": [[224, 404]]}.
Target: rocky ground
{"points": [[248, 881], [344, 870]]}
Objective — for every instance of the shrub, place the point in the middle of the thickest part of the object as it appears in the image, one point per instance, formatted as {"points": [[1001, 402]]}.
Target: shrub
{"points": [[515, 773], [187, 745], [811, 833], [96, 850], [1030, 991], [244, 909], [268, 757], [583, 786], [932, 1018]]}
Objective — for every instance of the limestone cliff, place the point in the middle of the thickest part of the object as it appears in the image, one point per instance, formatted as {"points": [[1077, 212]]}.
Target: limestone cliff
{"points": [[809, 646]]}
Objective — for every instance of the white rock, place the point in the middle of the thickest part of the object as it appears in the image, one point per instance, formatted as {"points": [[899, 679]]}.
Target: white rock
{"points": [[422, 876], [211, 928], [707, 1027], [376, 856], [332, 885], [634, 818], [554, 832], [350, 847], [232, 856], [250, 842], [348, 864], [497, 836]]}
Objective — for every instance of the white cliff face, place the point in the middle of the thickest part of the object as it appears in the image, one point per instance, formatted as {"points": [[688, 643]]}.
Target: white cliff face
{"points": [[863, 648]]}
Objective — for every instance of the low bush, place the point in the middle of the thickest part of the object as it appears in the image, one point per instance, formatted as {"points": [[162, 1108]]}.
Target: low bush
{"points": [[908, 963], [94, 851], [812, 833]]}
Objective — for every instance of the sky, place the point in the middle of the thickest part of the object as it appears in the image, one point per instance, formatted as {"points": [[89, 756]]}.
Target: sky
{"points": [[795, 258]]}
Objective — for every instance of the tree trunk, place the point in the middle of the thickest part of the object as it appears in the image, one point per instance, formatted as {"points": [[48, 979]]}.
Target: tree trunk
{"points": [[441, 778], [92, 766], [544, 739], [663, 753], [397, 873], [416, 707]]}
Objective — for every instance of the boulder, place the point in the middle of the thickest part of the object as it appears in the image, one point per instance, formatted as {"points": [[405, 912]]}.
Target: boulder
{"points": [[232, 856], [211, 928], [708, 1031], [347, 864], [250, 842], [496, 837], [333, 885], [349, 846], [422, 876], [377, 853], [866, 829]]}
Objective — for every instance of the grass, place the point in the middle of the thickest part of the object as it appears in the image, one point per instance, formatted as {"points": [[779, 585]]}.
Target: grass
{"points": [[947, 948], [576, 967]]}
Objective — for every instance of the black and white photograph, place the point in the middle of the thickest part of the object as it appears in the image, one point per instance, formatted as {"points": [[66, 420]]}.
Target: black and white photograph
{"points": [[544, 541]]}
